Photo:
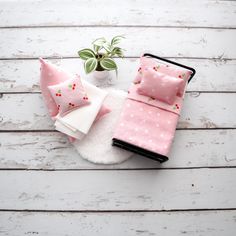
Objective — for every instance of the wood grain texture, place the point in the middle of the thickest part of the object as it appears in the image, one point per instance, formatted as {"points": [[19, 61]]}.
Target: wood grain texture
{"points": [[201, 110], [200, 34], [118, 190], [213, 223], [51, 150], [150, 13], [23, 75], [167, 42]]}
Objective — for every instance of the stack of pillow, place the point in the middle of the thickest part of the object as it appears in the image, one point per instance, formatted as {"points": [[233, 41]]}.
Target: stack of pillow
{"points": [[72, 104], [80, 110], [159, 81]]}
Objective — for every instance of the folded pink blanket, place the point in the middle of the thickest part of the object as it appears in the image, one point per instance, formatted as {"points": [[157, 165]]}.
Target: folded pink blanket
{"points": [[149, 118]]}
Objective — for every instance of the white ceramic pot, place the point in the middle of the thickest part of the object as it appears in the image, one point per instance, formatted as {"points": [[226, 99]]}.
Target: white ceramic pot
{"points": [[101, 74]]}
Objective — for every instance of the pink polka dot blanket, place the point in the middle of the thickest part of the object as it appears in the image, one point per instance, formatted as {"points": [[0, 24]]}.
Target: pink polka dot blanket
{"points": [[152, 108]]}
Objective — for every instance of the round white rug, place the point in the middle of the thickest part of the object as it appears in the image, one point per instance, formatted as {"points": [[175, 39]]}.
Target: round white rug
{"points": [[96, 145]]}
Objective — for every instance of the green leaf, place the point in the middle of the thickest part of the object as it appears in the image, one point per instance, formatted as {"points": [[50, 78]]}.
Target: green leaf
{"points": [[117, 39], [117, 51], [86, 54], [107, 46], [90, 65], [96, 48], [108, 64], [99, 42]]}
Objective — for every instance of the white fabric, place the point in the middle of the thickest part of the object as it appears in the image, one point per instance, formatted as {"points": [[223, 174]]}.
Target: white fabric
{"points": [[66, 130], [96, 145], [78, 122]]}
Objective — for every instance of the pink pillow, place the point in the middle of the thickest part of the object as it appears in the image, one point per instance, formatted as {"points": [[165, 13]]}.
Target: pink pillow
{"points": [[69, 95], [160, 86], [147, 62]]}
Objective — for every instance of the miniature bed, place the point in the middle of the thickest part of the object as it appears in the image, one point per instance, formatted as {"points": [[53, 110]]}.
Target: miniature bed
{"points": [[152, 108]]}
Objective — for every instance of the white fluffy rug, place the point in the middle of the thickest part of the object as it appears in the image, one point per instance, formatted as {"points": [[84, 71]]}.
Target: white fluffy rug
{"points": [[96, 145]]}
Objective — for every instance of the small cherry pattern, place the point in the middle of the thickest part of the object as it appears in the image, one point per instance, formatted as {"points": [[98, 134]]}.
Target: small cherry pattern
{"points": [[137, 82], [182, 76], [156, 68], [72, 86], [58, 94], [151, 98], [176, 106], [85, 97], [71, 104]]}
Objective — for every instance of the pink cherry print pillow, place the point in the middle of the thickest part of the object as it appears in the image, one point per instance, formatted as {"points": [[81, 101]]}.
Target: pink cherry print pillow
{"points": [[69, 95], [147, 62], [160, 86]]}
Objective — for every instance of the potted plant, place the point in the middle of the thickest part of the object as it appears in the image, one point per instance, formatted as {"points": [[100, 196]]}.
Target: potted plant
{"points": [[99, 60]]}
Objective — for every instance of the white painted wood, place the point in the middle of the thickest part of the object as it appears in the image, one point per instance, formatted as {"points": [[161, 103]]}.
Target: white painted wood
{"points": [[201, 110], [212, 223], [200, 30], [15, 75], [51, 150], [149, 12], [168, 42], [118, 190]]}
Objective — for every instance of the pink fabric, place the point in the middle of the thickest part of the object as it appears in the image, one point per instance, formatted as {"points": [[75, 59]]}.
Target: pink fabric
{"points": [[52, 75], [165, 68], [146, 126], [69, 95], [175, 108], [149, 119], [160, 86], [103, 111]]}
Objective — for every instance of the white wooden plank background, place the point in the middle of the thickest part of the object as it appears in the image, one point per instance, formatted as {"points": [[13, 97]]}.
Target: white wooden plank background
{"points": [[149, 13], [47, 189], [118, 223], [118, 189], [168, 42]]}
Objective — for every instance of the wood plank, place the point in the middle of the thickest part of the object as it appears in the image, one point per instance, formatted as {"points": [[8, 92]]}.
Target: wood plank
{"points": [[201, 110], [118, 190], [149, 13], [51, 150], [167, 42], [212, 75], [212, 223]]}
